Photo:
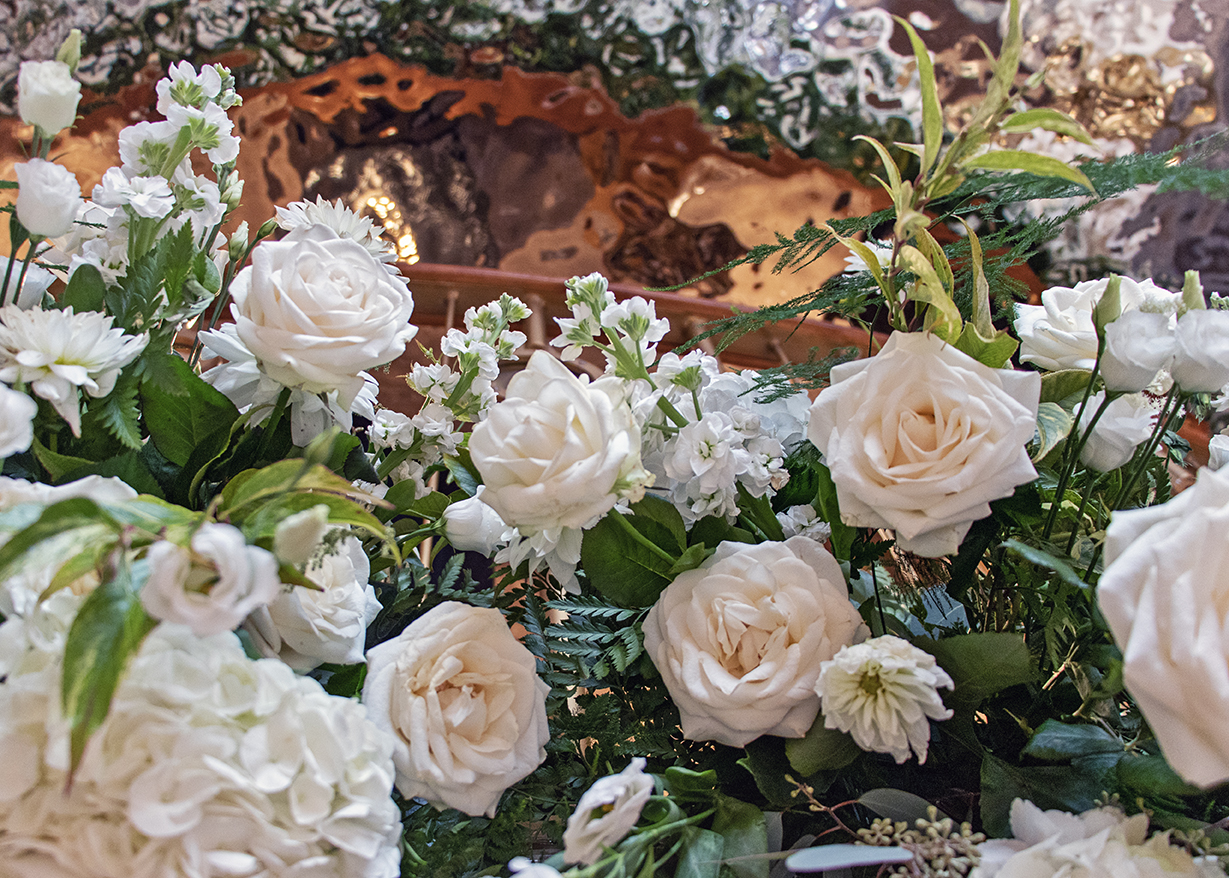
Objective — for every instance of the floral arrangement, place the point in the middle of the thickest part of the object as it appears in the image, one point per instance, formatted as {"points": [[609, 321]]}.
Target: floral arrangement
{"points": [[940, 617]]}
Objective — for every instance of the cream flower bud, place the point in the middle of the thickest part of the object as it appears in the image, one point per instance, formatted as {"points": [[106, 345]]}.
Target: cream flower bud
{"points": [[1137, 346], [47, 95], [48, 198], [473, 526], [298, 536], [1122, 427]]}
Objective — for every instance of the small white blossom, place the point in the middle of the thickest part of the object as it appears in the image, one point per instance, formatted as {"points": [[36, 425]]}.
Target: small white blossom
{"points": [[803, 521], [883, 691], [148, 197], [606, 812], [58, 353]]}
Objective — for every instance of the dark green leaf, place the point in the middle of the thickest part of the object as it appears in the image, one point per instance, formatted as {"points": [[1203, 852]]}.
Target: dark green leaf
{"points": [[712, 532], [1065, 383], [822, 749], [85, 290], [692, 558], [129, 467], [107, 630], [178, 252], [624, 558], [993, 352], [1152, 775], [700, 855], [745, 833], [464, 475], [982, 664], [830, 511], [1072, 787], [57, 465], [1057, 741], [120, 412], [182, 411], [1042, 558], [663, 512]]}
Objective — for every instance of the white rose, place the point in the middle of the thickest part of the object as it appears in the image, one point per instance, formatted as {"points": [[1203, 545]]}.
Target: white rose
{"points": [[100, 489], [317, 309], [921, 437], [213, 586], [1137, 346], [606, 813], [17, 411], [1218, 451], [464, 701], [473, 526], [556, 452], [740, 640], [298, 536], [1165, 595], [48, 198], [1059, 333], [47, 95], [307, 627], [1201, 357], [1122, 427]]}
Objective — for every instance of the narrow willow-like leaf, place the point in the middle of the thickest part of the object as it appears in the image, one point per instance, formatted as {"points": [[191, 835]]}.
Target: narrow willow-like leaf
{"points": [[1047, 119], [1041, 165], [932, 113]]}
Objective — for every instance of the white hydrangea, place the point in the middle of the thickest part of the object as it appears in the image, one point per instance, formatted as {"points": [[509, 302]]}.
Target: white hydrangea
{"points": [[884, 691], [209, 763]]}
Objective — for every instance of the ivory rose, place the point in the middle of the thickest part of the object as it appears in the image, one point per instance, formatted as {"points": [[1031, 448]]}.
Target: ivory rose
{"points": [[1165, 595], [1124, 425], [47, 95], [606, 812], [921, 437], [317, 309], [740, 640], [557, 451], [212, 587], [463, 700]]}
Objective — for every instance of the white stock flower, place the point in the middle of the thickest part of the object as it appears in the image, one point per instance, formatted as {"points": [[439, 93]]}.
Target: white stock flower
{"points": [[48, 197], [921, 437], [148, 197], [298, 536], [208, 763], [804, 521], [884, 691], [1201, 355], [17, 411], [316, 310], [1101, 843], [1137, 346], [739, 641], [306, 627], [185, 86], [1165, 595], [341, 219], [58, 353], [47, 95], [606, 812], [30, 295], [1059, 333], [556, 451], [1126, 422], [473, 526], [464, 701], [213, 586]]}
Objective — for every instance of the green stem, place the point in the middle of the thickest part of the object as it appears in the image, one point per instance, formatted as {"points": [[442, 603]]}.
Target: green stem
{"points": [[1070, 454], [641, 538], [1140, 462], [274, 421], [8, 273], [1075, 528]]}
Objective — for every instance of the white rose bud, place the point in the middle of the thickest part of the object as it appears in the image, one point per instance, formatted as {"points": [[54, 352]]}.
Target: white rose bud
{"points": [[1122, 427], [463, 700], [473, 526], [1137, 346], [17, 411], [47, 95], [298, 536], [740, 640], [48, 198], [606, 813], [1201, 359], [212, 587]]}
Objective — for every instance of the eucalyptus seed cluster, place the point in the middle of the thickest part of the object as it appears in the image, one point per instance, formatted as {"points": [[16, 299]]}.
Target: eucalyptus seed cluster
{"points": [[940, 849]]}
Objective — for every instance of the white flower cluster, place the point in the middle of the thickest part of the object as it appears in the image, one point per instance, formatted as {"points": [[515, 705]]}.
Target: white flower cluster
{"points": [[209, 763], [155, 192], [631, 327], [735, 442]]}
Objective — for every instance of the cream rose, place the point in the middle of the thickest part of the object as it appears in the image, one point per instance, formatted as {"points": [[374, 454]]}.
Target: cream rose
{"points": [[464, 701], [921, 437], [213, 586], [307, 627], [1165, 595], [1137, 346], [316, 310], [47, 95], [48, 198], [740, 640], [606, 813], [557, 451]]}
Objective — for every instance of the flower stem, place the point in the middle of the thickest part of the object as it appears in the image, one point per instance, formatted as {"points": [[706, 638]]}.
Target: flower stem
{"points": [[1071, 453]]}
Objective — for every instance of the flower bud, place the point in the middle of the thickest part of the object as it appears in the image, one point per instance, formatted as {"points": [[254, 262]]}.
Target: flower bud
{"points": [[48, 198], [70, 50], [47, 96], [472, 526], [1192, 293], [1201, 357], [1138, 344], [1109, 306], [298, 536]]}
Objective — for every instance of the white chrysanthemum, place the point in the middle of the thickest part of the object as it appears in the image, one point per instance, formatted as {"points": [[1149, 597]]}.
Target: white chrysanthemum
{"points": [[883, 691], [59, 352], [209, 763], [341, 219]]}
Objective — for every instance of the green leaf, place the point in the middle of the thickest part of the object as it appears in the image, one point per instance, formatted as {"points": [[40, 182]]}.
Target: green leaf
{"points": [[625, 559], [431, 505], [889, 166], [993, 351], [182, 411], [700, 855], [107, 630], [821, 749], [85, 291], [263, 522], [943, 318], [712, 531], [932, 114], [1153, 775], [57, 465], [897, 805], [1072, 787], [1047, 119], [178, 252], [663, 512], [1042, 558], [129, 467], [54, 520], [687, 784], [250, 486], [691, 558], [1057, 741], [1063, 384], [120, 412], [1031, 163], [745, 832], [830, 511], [462, 471], [982, 664], [1054, 424]]}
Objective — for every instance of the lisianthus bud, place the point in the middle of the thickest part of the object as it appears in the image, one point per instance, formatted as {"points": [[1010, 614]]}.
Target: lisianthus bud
{"points": [[298, 536], [70, 50], [47, 95], [472, 526], [1192, 293], [1201, 356], [1137, 346], [48, 198], [1109, 306]]}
